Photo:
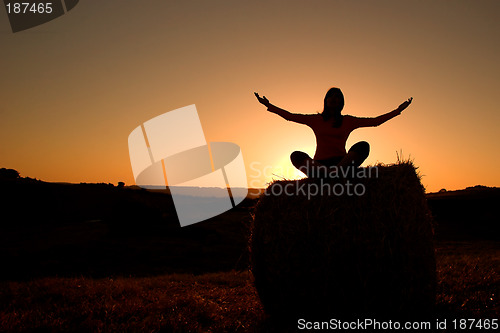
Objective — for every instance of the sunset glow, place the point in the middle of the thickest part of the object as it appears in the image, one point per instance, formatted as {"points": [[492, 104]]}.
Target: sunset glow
{"points": [[73, 89]]}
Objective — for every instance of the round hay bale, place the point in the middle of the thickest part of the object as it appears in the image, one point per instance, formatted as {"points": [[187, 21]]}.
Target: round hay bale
{"points": [[355, 255]]}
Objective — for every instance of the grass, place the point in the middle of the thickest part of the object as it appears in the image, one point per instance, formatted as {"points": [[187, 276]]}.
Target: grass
{"points": [[468, 286], [215, 302], [468, 279]]}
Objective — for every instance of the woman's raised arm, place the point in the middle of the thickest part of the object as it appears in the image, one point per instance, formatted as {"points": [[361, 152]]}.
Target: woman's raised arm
{"points": [[376, 121], [295, 117]]}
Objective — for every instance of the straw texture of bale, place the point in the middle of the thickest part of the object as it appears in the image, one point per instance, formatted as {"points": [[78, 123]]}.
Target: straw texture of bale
{"points": [[340, 255]]}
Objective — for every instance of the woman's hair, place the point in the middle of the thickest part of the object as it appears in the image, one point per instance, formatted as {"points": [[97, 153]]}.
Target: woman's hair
{"points": [[333, 112]]}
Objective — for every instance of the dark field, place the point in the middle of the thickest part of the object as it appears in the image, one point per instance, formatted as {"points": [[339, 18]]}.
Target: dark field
{"points": [[94, 257]]}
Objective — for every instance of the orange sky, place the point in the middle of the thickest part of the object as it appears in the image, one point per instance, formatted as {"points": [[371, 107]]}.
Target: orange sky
{"points": [[73, 89]]}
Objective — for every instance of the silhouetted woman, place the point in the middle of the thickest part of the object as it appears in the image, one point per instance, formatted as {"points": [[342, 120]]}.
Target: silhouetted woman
{"points": [[332, 130]]}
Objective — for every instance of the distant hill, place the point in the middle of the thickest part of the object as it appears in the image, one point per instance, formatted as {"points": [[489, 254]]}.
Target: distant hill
{"points": [[469, 212], [102, 229], [471, 190]]}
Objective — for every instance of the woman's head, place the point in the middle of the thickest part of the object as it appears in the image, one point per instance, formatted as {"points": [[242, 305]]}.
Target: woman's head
{"points": [[333, 105]]}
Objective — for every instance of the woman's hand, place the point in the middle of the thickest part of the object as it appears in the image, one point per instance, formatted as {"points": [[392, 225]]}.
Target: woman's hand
{"points": [[404, 105], [263, 100]]}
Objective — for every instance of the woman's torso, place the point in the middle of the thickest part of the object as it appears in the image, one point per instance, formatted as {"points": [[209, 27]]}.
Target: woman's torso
{"points": [[330, 141]]}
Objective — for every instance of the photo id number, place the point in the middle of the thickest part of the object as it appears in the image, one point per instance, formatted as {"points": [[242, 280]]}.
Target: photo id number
{"points": [[28, 7]]}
